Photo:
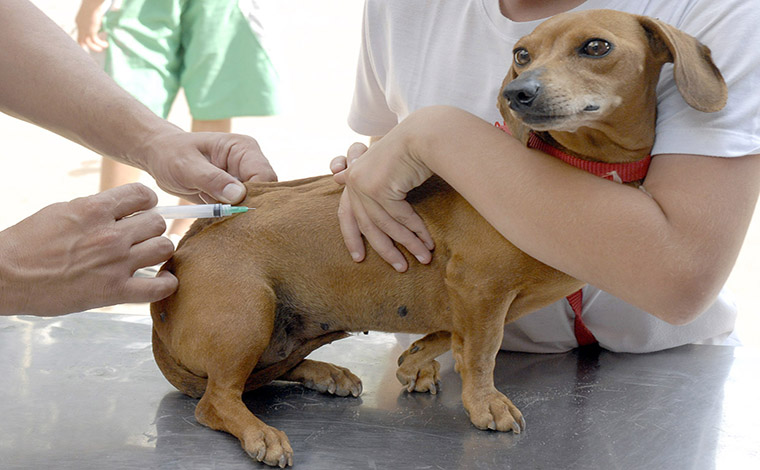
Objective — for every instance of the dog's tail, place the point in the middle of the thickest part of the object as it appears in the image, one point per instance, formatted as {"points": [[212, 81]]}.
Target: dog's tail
{"points": [[263, 376], [194, 385]]}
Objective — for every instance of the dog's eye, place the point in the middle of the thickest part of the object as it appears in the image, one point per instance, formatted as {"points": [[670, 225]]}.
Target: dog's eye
{"points": [[596, 48], [522, 56]]}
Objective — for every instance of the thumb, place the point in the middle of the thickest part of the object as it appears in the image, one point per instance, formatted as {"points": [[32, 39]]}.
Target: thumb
{"points": [[339, 165], [220, 185], [356, 150]]}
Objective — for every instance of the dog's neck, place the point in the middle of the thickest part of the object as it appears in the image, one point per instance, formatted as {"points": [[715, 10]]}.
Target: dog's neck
{"points": [[618, 143], [607, 144], [621, 172]]}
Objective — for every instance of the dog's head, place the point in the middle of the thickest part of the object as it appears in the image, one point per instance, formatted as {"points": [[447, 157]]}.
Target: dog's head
{"points": [[595, 72]]}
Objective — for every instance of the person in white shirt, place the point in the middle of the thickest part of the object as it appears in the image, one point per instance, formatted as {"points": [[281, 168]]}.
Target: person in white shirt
{"points": [[655, 266]]}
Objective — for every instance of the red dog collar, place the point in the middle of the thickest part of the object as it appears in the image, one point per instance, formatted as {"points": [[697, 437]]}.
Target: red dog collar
{"points": [[618, 172]]}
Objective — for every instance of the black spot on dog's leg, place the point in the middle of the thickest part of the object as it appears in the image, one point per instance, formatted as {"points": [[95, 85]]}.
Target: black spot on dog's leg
{"points": [[402, 311], [324, 326], [163, 316]]}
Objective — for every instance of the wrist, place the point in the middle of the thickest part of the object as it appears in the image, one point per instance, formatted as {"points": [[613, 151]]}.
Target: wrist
{"points": [[143, 148], [426, 133]]}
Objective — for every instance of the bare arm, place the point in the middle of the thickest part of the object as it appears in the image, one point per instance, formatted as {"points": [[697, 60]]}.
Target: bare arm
{"points": [[82, 254], [668, 254], [46, 79]]}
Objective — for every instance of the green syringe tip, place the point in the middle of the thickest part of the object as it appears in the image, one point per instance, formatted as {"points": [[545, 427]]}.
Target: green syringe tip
{"points": [[238, 209]]}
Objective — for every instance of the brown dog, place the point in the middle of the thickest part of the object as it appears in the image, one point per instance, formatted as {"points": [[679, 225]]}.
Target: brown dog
{"points": [[259, 291]]}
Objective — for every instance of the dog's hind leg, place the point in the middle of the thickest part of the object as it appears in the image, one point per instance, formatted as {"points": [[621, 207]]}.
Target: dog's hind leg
{"points": [[418, 369], [325, 378], [185, 381], [222, 408], [238, 343]]}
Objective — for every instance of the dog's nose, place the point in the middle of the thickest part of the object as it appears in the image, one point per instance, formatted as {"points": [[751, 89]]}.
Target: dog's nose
{"points": [[522, 92]]}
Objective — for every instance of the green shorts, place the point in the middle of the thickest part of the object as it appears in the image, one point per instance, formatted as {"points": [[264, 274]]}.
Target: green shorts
{"points": [[206, 47]]}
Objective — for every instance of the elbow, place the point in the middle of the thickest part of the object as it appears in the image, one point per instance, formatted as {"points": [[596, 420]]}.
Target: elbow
{"points": [[682, 311], [685, 296]]}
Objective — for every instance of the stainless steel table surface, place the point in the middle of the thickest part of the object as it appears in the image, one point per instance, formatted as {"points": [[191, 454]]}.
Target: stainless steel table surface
{"points": [[82, 392]]}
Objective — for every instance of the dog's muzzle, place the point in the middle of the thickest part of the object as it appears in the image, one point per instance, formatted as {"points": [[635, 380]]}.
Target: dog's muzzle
{"points": [[523, 91]]}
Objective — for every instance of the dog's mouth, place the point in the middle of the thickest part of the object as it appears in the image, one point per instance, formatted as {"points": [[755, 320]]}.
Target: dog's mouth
{"points": [[548, 119]]}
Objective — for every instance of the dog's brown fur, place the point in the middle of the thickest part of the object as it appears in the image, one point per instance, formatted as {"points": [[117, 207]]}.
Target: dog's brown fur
{"points": [[259, 291]]}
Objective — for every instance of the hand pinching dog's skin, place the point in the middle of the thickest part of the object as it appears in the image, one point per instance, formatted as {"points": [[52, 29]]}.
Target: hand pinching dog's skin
{"points": [[259, 291]]}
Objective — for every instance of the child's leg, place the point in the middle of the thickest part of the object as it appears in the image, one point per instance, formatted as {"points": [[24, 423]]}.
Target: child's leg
{"points": [[114, 174], [219, 125]]}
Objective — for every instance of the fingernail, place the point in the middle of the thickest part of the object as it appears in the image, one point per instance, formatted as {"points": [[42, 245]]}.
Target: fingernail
{"points": [[356, 256], [233, 192], [422, 259], [398, 267]]}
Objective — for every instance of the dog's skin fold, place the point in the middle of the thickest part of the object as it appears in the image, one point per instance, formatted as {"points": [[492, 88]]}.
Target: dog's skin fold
{"points": [[259, 291]]}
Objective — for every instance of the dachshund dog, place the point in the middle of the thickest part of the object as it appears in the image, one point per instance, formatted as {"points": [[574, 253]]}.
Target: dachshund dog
{"points": [[259, 291]]}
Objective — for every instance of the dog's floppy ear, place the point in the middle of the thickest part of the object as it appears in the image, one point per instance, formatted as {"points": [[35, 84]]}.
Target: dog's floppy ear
{"points": [[697, 77]]}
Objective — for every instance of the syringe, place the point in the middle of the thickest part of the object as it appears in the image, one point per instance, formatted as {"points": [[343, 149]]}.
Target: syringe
{"points": [[198, 211]]}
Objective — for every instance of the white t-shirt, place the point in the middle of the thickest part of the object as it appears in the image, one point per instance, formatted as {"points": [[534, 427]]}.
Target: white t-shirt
{"points": [[417, 53]]}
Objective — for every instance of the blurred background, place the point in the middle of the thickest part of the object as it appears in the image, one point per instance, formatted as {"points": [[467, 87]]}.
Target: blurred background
{"points": [[315, 46]]}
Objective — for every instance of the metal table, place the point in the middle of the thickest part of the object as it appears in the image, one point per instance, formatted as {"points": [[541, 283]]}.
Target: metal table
{"points": [[83, 392]]}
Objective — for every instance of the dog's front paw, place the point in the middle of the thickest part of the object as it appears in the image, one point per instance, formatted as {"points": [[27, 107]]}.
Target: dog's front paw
{"points": [[420, 377], [329, 378], [494, 411], [268, 445]]}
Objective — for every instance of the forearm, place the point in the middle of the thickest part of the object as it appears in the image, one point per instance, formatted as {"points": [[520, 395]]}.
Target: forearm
{"points": [[657, 252], [46, 79]]}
